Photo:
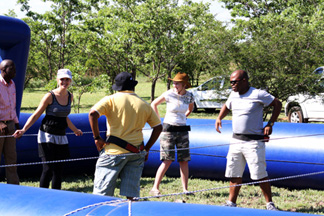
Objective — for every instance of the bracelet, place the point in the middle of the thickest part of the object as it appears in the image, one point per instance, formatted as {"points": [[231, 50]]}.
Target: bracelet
{"points": [[270, 123]]}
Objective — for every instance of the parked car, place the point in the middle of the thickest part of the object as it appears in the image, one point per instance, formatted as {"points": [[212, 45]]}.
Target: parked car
{"points": [[303, 108], [212, 94]]}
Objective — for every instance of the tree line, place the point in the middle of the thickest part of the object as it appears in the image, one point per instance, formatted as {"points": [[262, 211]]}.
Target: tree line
{"points": [[278, 42]]}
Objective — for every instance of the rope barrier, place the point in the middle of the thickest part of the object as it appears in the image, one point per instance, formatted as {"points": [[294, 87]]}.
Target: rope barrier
{"points": [[229, 186], [158, 151], [113, 203], [189, 192]]}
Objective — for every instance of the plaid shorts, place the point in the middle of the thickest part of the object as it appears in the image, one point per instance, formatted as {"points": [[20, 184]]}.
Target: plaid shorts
{"points": [[170, 140], [110, 167]]}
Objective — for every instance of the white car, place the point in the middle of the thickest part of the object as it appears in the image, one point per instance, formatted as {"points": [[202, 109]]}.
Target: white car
{"points": [[212, 94], [303, 108]]}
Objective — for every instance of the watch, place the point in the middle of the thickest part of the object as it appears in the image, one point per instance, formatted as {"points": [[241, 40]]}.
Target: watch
{"points": [[270, 123], [97, 137]]}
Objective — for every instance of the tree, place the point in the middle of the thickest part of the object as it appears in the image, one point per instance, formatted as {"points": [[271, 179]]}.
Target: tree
{"points": [[51, 34], [151, 37], [280, 44]]}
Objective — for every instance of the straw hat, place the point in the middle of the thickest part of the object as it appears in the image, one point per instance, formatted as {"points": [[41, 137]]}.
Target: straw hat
{"points": [[182, 77]]}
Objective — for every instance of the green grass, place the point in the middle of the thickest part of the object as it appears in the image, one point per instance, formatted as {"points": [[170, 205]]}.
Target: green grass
{"points": [[306, 201]]}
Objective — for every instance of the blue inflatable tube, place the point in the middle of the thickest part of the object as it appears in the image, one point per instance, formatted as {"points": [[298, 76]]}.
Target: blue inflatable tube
{"points": [[14, 45], [30, 201], [293, 149]]}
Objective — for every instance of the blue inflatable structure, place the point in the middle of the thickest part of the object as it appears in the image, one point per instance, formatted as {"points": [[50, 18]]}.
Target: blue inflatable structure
{"points": [[14, 45], [294, 150]]}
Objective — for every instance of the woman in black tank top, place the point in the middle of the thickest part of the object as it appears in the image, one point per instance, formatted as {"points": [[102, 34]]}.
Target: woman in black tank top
{"points": [[52, 140]]}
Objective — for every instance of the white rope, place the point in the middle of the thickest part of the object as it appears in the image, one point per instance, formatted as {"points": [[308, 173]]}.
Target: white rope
{"points": [[158, 151], [113, 202], [129, 208], [238, 185]]}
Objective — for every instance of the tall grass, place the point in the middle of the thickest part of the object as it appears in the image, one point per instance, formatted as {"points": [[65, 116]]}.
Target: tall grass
{"points": [[307, 201]]}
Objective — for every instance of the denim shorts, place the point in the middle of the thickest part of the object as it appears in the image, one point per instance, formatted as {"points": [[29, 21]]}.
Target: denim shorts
{"points": [[109, 167], [242, 152], [170, 140]]}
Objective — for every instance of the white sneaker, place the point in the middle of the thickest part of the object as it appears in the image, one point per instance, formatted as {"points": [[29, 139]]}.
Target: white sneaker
{"points": [[271, 206], [229, 204]]}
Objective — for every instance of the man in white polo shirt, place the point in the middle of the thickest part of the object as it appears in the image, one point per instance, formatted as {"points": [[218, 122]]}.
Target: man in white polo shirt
{"points": [[249, 135]]}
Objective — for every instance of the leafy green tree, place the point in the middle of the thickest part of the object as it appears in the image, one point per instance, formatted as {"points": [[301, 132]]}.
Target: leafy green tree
{"points": [[280, 44], [154, 38], [52, 47]]}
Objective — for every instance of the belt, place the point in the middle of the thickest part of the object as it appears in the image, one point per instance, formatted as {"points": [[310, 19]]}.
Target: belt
{"points": [[124, 144], [6, 122], [175, 128], [249, 137]]}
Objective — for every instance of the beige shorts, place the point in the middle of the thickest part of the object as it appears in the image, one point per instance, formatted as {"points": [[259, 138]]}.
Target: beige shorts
{"points": [[242, 152]]}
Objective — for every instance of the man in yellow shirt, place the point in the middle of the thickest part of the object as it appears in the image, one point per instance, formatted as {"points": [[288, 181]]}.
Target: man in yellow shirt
{"points": [[123, 153]]}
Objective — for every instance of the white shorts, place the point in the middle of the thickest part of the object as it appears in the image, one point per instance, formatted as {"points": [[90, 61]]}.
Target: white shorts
{"points": [[242, 152]]}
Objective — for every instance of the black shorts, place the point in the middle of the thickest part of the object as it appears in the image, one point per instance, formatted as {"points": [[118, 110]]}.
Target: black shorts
{"points": [[51, 151]]}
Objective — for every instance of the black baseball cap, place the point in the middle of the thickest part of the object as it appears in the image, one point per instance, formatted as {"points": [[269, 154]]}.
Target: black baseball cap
{"points": [[124, 81]]}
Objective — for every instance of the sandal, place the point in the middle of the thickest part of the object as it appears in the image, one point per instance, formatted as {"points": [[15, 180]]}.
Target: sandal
{"points": [[155, 193]]}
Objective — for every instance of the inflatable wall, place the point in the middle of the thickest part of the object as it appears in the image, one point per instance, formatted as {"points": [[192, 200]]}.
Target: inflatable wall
{"points": [[293, 150], [14, 45], [29, 201]]}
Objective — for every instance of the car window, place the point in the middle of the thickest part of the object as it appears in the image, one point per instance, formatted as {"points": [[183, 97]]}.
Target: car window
{"points": [[319, 70], [227, 84], [213, 84], [216, 84], [321, 82]]}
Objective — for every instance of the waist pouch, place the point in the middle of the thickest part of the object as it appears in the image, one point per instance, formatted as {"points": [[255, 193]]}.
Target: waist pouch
{"points": [[249, 137], [174, 128], [124, 144], [54, 125]]}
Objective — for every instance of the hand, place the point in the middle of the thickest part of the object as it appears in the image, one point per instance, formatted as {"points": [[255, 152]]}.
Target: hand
{"points": [[218, 125], [19, 133], [146, 156], [3, 129], [100, 144], [78, 132], [267, 130]]}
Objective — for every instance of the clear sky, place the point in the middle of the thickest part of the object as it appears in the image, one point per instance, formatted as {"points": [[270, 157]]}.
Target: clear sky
{"points": [[216, 8]]}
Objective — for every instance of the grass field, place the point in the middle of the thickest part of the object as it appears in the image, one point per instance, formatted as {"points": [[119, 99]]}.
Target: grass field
{"points": [[306, 201]]}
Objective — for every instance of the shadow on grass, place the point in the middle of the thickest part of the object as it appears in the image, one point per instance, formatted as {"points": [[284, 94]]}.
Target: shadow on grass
{"points": [[80, 183], [22, 109], [150, 181]]}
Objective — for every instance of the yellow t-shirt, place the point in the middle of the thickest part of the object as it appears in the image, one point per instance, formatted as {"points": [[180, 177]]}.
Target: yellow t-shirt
{"points": [[126, 115]]}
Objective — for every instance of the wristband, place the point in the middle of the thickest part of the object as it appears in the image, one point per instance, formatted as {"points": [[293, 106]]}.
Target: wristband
{"points": [[97, 137], [270, 123]]}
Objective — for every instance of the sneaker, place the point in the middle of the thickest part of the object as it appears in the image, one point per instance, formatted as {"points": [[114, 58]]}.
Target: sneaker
{"points": [[229, 204], [271, 206]]}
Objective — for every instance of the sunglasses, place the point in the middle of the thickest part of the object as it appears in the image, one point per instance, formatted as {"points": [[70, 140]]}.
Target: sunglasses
{"points": [[233, 82]]}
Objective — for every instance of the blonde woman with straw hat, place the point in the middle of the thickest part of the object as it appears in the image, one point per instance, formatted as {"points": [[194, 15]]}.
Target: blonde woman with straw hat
{"points": [[180, 103]]}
